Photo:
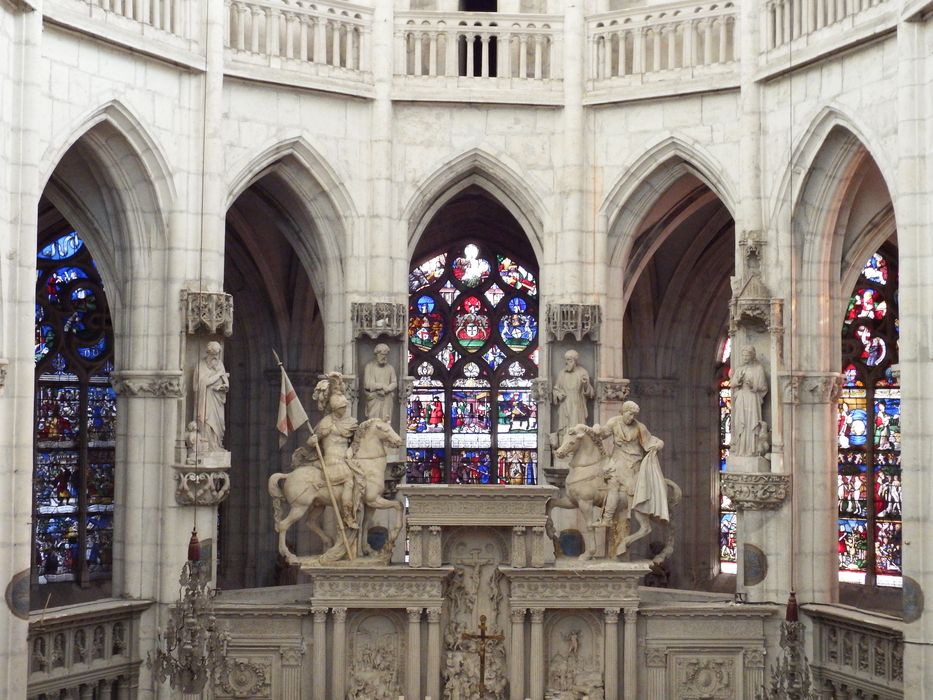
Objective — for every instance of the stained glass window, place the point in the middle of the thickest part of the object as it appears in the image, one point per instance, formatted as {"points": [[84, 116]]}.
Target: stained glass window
{"points": [[868, 431], [472, 339], [73, 485], [727, 525]]}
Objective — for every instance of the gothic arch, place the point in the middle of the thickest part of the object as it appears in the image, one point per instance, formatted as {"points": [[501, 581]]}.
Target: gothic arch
{"points": [[493, 173], [646, 179]]}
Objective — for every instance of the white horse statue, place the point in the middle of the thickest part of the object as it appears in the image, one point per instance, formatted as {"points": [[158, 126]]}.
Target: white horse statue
{"points": [[305, 491], [586, 488]]}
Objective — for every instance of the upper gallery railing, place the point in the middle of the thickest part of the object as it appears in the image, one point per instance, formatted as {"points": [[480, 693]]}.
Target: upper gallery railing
{"points": [[508, 50], [89, 650], [324, 39], [676, 41], [153, 19], [786, 21]]}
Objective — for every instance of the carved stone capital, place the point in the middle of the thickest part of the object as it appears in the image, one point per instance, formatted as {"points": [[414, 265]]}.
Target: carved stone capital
{"points": [[541, 390], [158, 384], [518, 530], [754, 657], [434, 615], [612, 389], [414, 614], [612, 615], [759, 491], [212, 311], [291, 656], [810, 388], [375, 318], [578, 320], [656, 657], [320, 614], [340, 615], [517, 615], [537, 616], [200, 486], [406, 386]]}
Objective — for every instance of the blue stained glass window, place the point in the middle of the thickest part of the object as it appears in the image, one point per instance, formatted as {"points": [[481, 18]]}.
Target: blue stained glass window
{"points": [[728, 550], [75, 416]]}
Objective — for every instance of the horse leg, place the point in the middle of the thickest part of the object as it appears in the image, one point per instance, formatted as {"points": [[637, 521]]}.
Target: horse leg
{"points": [[294, 514], [314, 524], [366, 550], [644, 527], [564, 503], [382, 503], [589, 532]]}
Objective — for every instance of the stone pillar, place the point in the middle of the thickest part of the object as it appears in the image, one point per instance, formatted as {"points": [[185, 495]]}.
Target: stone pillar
{"points": [[754, 668], [518, 546], [537, 547], [319, 651], [517, 655], [433, 689], [415, 547], [291, 673], [339, 678], [537, 654], [656, 681], [630, 655], [611, 667], [434, 546], [413, 671]]}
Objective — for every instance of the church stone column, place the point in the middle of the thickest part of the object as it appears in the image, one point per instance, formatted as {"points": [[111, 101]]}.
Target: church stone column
{"points": [[413, 673], [291, 673], [319, 679], [339, 678], [656, 664], [518, 546], [537, 654], [630, 651], [517, 655], [434, 654], [611, 668], [415, 546]]}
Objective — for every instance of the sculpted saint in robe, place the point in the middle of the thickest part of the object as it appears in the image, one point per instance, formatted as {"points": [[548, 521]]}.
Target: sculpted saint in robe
{"points": [[571, 390], [212, 382], [749, 386], [379, 385]]}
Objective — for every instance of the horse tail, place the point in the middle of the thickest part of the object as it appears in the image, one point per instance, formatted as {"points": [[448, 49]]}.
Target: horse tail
{"points": [[278, 497], [676, 493]]}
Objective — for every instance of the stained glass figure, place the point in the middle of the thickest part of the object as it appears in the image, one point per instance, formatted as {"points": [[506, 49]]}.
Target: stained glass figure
{"points": [[470, 269], [727, 517], [75, 417], [517, 467], [727, 543], [478, 358], [425, 466], [868, 430]]}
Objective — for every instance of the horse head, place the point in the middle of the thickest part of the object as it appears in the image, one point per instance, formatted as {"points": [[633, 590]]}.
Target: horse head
{"points": [[576, 437], [378, 429]]}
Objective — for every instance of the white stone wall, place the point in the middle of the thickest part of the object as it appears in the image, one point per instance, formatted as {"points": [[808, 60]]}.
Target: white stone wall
{"points": [[172, 143]]}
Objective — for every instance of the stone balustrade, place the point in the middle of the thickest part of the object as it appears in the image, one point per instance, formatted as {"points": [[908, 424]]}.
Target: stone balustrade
{"points": [[857, 654], [85, 651], [786, 21], [661, 40], [300, 35], [478, 45]]}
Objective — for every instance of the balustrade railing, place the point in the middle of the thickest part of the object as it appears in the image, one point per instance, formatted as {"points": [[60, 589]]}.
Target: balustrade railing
{"points": [[480, 45], [86, 651], [332, 34], [788, 20], [858, 653], [166, 15], [668, 38]]}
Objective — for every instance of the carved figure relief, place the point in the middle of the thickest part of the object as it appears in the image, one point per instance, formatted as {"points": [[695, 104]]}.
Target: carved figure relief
{"points": [[572, 388], [705, 678], [749, 385], [375, 660], [380, 383], [574, 659], [243, 678], [212, 382]]}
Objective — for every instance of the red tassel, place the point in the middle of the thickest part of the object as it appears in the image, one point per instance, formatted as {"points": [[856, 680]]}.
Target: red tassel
{"points": [[792, 608], [194, 547]]}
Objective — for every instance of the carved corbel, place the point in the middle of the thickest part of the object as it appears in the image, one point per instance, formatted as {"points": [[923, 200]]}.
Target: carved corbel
{"points": [[212, 311], [612, 389], [758, 491], [157, 384], [810, 388], [541, 390], [377, 318], [197, 485], [578, 320]]}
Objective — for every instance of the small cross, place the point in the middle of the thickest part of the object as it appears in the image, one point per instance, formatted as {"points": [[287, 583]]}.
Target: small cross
{"points": [[483, 638]]}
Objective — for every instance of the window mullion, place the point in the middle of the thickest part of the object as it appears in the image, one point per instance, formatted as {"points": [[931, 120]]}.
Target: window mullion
{"points": [[81, 563]]}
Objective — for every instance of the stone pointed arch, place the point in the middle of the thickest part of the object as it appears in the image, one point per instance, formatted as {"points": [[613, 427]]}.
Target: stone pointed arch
{"points": [[494, 173], [646, 179]]}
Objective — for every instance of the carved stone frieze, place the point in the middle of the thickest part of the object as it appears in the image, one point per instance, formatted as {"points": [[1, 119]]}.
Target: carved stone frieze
{"points": [[605, 587], [810, 388], [578, 320], [467, 504], [200, 486], [760, 491], [612, 389], [212, 311], [377, 318], [704, 678], [380, 588], [158, 384], [243, 678]]}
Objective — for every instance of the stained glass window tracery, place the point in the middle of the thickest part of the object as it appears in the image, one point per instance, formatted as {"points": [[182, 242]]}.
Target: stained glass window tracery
{"points": [[727, 523], [73, 483], [473, 337], [868, 431]]}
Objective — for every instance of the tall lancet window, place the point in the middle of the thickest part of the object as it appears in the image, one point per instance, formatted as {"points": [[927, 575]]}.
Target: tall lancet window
{"points": [[869, 431], [473, 351], [74, 418], [727, 524]]}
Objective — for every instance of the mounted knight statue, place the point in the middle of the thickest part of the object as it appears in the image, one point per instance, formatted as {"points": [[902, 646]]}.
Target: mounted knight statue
{"points": [[625, 483]]}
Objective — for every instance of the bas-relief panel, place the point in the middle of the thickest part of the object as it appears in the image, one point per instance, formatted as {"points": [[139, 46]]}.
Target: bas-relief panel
{"points": [[376, 657], [574, 656], [704, 677]]}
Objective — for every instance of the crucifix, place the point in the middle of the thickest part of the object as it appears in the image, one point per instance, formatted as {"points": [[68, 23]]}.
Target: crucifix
{"points": [[482, 637]]}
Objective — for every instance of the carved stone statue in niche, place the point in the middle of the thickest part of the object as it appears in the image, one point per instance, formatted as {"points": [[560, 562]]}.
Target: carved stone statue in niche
{"points": [[212, 382], [625, 483], [749, 386], [572, 388], [379, 385], [574, 670]]}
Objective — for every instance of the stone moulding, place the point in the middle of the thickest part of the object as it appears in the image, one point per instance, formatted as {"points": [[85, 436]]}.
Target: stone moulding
{"points": [[578, 320], [471, 505], [612, 389], [760, 491], [379, 588], [375, 318], [607, 587], [810, 388], [212, 311], [148, 383], [197, 485]]}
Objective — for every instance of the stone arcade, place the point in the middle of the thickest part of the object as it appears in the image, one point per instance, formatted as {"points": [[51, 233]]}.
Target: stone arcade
{"points": [[612, 321]]}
